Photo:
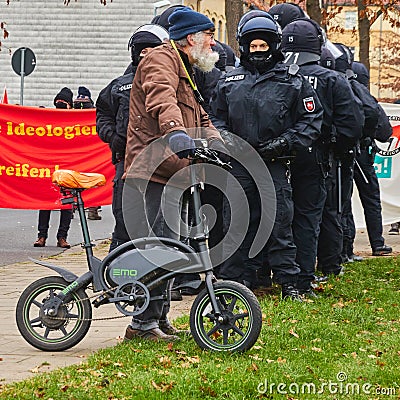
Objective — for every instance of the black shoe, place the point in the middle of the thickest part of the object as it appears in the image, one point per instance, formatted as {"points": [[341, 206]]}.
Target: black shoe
{"points": [[289, 291], [394, 229], [176, 295], [337, 270], [346, 259], [381, 250], [320, 278], [154, 334], [355, 258]]}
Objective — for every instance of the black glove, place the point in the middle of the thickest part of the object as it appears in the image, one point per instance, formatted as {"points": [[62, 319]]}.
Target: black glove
{"points": [[274, 148], [118, 144], [219, 147], [181, 144], [232, 142]]}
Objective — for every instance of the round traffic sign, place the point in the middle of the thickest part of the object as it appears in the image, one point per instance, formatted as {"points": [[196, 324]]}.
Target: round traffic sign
{"points": [[29, 61]]}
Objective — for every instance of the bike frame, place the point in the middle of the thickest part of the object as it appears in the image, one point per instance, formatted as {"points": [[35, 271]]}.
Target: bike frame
{"points": [[200, 262]]}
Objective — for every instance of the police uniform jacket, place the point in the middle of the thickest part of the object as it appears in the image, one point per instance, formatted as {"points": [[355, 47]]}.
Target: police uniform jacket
{"points": [[112, 114], [341, 109], [162, 101], [262, 107]]}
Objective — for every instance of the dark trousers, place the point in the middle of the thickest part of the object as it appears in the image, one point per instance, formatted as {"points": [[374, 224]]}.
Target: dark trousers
{"points": [[347, 214], [309, 196], [329, 248], [128, 211], [330, 240], [280, 251], [63, 227], [370, 198], [164, 213]]}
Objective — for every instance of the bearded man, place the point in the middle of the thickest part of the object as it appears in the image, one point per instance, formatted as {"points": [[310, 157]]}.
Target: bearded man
{"points": [[166, 114]]}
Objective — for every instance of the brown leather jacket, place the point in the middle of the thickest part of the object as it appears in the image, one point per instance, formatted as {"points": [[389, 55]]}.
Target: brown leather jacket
{"points": [[162, 101]]}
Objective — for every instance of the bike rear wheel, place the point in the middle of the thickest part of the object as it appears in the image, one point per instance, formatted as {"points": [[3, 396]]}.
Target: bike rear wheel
{"points": [[58, 332], [238, 326]]}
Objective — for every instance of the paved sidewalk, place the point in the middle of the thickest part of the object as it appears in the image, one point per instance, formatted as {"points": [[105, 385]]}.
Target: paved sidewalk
{"points": [[19, 360]]}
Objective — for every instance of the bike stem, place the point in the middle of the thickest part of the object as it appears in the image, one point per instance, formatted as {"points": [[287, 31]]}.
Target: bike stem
{"points": [[201, 239]]}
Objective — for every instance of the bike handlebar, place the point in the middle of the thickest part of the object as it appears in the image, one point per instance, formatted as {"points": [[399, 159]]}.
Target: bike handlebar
{"points": [[205, 154]]}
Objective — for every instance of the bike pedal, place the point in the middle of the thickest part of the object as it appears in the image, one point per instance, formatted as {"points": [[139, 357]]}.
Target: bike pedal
{"points": [[103, 299]]}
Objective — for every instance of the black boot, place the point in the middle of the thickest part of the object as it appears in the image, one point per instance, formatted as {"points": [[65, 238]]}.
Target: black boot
{"points": [[289, 291]]}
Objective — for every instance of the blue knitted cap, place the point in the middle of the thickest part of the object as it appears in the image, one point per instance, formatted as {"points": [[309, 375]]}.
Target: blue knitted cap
{"points": [[185, 21]]}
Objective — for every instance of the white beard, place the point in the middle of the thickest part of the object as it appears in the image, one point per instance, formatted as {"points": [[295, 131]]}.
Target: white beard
{"points": [[205, 60]]}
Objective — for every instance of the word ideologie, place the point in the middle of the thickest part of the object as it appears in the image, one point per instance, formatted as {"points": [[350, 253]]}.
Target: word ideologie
{"points": [[69, 132]]}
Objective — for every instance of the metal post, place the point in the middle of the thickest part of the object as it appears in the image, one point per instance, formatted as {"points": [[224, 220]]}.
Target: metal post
{"points": [[21, 96]]}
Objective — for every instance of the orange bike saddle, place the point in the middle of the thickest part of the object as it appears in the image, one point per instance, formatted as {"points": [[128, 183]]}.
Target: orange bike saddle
{"points": [[77, 180]]}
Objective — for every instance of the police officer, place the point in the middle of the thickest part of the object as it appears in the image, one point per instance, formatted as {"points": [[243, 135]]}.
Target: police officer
{"points": [[302, 41], [343, 64], [284, 13], [276, 111], [112, 115], [366, 180]]}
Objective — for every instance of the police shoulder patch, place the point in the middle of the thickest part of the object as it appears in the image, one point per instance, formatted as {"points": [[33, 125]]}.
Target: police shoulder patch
{"points": [[239, 77], [309, 104]]}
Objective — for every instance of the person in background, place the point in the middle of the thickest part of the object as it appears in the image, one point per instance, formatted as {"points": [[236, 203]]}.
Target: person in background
{"points": [[312, 176], [63, 100], [84, 101], [367, 181]]}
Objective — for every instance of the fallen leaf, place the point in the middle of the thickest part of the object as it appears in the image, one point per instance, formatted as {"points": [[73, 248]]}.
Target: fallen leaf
{"points": [[165, 361], [292, 332], [317, 349], [380, 363], [253, 367], [281, 360]]}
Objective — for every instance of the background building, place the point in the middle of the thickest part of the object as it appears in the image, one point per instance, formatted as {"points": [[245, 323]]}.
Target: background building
{"points": [[84, 43]]}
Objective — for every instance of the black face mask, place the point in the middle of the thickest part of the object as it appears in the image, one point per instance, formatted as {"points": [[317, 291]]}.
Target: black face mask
{"points": [[262, 60]]}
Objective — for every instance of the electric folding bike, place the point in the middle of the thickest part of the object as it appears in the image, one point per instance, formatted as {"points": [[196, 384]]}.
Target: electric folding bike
{"points": [[54, 313]]}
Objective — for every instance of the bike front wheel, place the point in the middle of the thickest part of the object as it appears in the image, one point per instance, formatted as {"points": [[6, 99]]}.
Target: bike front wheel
{"points": [[52, 333], [238, 326]]}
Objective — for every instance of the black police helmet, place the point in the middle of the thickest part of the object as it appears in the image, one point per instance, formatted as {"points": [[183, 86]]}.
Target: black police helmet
{"points": [[264, 28], [345, 60], [162, 19], [305, 38], [361, 73], [248, 16], [285, 13], [327, 59], [149, 35]]}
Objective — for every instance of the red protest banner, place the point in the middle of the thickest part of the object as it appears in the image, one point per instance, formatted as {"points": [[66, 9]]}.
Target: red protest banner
{"points": [[34, 142]]}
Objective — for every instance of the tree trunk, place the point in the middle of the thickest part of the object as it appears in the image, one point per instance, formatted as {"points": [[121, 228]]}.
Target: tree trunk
{"points": [[314, 11], [233, 13], [363, 32]]}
